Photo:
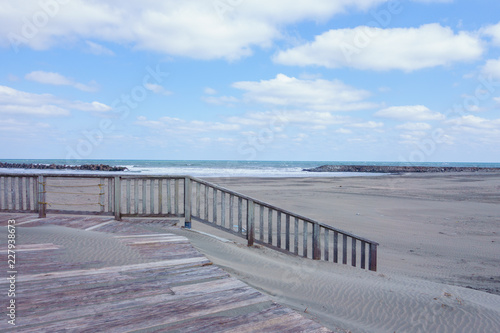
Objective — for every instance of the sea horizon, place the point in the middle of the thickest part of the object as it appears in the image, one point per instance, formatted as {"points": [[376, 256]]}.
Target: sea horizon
{"points": [[228, 168]]}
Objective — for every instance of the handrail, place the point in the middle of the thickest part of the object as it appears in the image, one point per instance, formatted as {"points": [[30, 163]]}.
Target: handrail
{"points": [[265, 204], [274, 232], [190, 198]]}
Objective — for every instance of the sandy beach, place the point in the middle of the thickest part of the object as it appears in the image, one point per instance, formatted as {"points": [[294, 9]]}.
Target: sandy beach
{"points": [[438, 264], [439, 241]]}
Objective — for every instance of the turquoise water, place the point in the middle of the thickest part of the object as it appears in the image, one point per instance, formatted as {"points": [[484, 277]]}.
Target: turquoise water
{"points": [[231, 168]]}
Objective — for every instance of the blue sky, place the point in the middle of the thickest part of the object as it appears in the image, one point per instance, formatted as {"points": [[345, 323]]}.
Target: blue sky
{"points": [[360, 80]]}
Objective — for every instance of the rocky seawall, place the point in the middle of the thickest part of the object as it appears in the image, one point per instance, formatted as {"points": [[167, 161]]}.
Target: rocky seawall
{"points": [[396, 169], [86, 167]]}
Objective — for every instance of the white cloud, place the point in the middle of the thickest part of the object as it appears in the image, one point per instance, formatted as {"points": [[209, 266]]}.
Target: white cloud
{"points": [[176, 125], [492, 68], [410, 112], [365, 47], [17, 102], [221, 100], [157, 89], [368, 124], [98, 49], [58, 80], [414, 126], [42, 110], [276, 119], [476, 129], [198, 28], [494, 32], [318, 95], [475, 122], [209, 91], [343, 131]]}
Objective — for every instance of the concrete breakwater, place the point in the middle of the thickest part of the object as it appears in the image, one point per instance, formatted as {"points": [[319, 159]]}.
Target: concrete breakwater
{"points": [[395, 169], [87, 167]]}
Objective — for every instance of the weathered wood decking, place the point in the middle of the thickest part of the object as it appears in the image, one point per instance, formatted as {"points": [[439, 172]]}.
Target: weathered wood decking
{"points": [[163, 285]]}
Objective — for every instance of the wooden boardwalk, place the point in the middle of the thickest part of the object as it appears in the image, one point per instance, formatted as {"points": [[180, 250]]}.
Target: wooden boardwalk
{"points": [[69, 281]]}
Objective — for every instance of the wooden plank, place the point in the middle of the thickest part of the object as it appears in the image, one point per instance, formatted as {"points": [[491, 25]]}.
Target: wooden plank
{"points": [[240, 215], [13, 192], [231, 211], [136, 196], [160, 196], [214, 207], [223, 209], [114, 269], [296, 236], [261, 223], [187, 202], [335, 247], [316, 242], [353, 252], [270, 226], [363, 254], [203, 288], [206, 202], [5, 194], [304, 249], [35, 193], [101, 195], [118, 198], [144, 199], [169, 196], [176, 196], [152, 196], [278, 229], [148, 316], [373, 257], [42, 197], [21, 194], [250, 222], [326, 246], [110, 196], [28, 191], [128, 194], [198, 198], [344, 250], [287, 232]]}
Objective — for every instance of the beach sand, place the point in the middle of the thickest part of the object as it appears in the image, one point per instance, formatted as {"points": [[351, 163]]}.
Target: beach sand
{"points": [[438, 264], [438, 259]]}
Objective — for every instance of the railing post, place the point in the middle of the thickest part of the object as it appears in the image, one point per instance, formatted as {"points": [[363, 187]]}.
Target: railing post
{"points": [[250, 222], [187, 202], [372, 259], [316, 245], [42, 204], [118, 198]]}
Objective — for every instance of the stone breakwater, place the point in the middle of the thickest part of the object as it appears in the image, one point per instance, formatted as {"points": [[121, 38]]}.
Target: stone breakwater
{"points": [[396, 169], [86, 167]]}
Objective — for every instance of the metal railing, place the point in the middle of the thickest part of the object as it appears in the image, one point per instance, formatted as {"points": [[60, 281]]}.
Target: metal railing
{"points": [[192, 199]]}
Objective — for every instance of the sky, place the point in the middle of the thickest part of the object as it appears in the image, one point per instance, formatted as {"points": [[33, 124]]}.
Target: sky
{"points": [[320, 80]]}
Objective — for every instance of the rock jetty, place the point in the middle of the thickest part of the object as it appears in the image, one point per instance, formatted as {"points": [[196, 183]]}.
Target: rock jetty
{"points": [[87, 167], [396, 169]]}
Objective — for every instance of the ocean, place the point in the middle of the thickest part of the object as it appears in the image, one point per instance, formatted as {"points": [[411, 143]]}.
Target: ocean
{"points": [[227, 168]]}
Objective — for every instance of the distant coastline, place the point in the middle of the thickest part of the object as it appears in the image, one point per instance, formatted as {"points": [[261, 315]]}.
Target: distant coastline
{"points": [[396, 169], [87, 167]]}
